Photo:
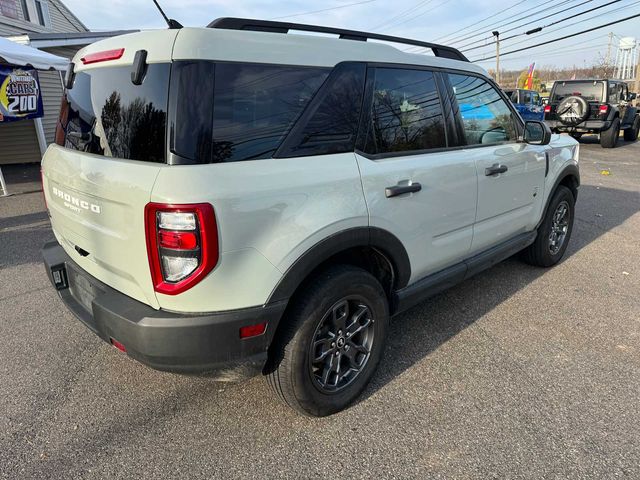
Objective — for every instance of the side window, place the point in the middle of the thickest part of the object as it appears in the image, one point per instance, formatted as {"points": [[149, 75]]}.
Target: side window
{"points": [[526, 98], [536, 98], [331, 123], [485, 115], [614, 94], [405, 113]]}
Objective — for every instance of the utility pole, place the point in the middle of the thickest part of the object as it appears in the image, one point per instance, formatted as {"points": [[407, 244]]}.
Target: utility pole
{"points": [[497, 35], [607, 60]]}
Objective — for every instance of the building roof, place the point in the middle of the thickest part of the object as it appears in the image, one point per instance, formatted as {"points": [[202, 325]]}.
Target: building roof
{"points": [[44, 40]]}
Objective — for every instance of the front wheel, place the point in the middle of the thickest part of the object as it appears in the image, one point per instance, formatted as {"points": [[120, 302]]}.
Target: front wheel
{"points": [[609, 137], [554, 232], [631, 133], [331, 341]]}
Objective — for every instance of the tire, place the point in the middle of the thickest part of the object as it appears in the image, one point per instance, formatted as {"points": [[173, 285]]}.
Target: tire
{"points": [[311, 320], [631, 133], [572, 110], [609, 137], [542, 253]]}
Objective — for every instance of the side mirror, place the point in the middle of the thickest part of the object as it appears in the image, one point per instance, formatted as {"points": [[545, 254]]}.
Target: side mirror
{"points": [[536, 133], [631, 96]]}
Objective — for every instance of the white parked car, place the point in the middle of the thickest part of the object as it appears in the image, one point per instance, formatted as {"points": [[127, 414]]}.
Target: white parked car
{"points": [[241, 200]]}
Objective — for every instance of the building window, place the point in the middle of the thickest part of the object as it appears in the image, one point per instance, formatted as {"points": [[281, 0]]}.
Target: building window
{"points": [[9, 8], [25, 10], [36, 11]]}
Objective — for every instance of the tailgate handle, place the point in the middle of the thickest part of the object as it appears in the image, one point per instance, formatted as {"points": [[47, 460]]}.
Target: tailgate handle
{"points": [[81, 251], [495, 169]]}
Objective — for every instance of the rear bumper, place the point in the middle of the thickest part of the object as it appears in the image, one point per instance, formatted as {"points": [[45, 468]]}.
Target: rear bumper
{"points": [[584, 127], [206, 343]]}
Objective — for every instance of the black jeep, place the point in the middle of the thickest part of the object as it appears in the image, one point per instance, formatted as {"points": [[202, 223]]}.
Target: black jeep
{"points": [[593, 106]]}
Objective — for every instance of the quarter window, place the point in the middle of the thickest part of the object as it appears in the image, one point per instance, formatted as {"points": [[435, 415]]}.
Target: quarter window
{"points": [[405, 113], [486, 117], [254, 107], [227, 112]]}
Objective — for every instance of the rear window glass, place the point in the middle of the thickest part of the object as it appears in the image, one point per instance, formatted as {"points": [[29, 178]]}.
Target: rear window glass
{"points": [[106, 114], [251, 108], [590, 91]]}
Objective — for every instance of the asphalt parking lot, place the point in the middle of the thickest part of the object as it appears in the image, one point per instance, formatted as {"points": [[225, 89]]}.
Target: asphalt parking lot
{"points": [[517, 373]]}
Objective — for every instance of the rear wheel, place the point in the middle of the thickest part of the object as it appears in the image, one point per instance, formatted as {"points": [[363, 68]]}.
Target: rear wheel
{"points": [[554, 232], [328, 349], [609, 137], [631, 133]]}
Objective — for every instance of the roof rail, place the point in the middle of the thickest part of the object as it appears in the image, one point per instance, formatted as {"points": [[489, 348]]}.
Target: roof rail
{"points": [[231, 23]]}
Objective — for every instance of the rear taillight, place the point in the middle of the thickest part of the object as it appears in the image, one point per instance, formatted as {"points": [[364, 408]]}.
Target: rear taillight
{"points": [[102, 56], [547, 109], [604, 109], [182, 244]]}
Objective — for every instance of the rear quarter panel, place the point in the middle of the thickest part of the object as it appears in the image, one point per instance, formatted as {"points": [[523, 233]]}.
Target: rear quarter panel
{"points": [[269, 212]]}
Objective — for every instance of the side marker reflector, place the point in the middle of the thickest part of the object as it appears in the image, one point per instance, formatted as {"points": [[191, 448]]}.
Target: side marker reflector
{"points": [[118, 345], [253, 330]]}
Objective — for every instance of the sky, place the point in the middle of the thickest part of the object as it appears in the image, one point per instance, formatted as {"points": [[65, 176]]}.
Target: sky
{"points": [[463, 24]]}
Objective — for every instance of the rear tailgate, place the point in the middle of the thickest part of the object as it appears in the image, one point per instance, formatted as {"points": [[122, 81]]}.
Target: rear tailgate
{"points": [[96, 207], [111, 146]]}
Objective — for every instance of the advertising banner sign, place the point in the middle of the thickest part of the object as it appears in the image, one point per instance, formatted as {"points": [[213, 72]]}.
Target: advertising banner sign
{"points": [[20, 95]]}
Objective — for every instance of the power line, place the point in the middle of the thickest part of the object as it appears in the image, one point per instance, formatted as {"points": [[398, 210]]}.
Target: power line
{"points": [[417, 15], [502, 32], [564, 37], [480, 21], [535, 30], [418, 49], [577, 23], [323, 10], [514, 20], [553, 53], [402, 14]]}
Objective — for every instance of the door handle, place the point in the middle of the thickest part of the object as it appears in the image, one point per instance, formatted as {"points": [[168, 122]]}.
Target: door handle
{"points": [[495, 169], [400, 189]]}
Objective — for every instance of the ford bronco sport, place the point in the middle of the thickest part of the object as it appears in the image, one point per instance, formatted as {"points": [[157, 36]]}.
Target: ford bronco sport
{"points": [[577, 107], [239, 200]]}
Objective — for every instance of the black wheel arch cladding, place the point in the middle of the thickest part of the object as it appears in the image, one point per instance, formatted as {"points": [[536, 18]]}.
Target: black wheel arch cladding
{"points": [[379, 239], [569, 177]]}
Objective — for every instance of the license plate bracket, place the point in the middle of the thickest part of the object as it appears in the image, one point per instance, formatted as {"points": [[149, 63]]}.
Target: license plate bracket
{"points": [[59, 276]]}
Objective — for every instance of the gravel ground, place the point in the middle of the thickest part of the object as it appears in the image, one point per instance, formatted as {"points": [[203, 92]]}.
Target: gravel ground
{"points": [[519, 372]]}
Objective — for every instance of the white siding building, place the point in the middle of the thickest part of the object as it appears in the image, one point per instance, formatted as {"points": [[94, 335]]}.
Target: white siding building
{"points": [[50, 26]]}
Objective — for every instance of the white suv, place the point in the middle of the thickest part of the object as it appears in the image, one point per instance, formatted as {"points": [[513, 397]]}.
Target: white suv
{"points": [[236, 200]]}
